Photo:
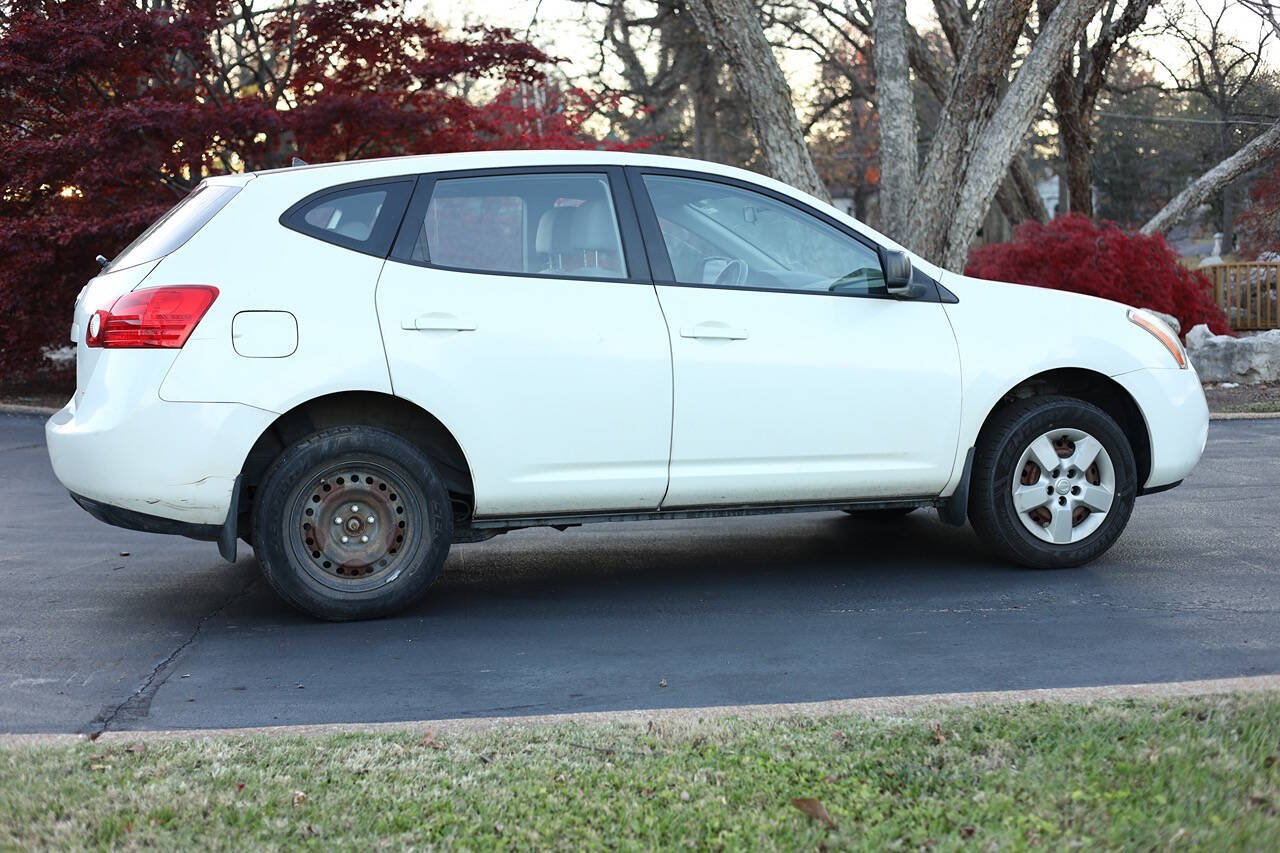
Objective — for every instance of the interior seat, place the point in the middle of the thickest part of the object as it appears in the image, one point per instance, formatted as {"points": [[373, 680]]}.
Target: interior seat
{"points": [[593, 238], [552, 237]]}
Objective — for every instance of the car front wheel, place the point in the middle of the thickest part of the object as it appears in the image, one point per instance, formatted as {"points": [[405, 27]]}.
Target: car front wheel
{"points": [[1053, 482], [352, 523]]}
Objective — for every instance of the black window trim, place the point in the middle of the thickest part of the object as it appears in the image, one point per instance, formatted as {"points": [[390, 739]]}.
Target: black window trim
{"points": [[633, 250], [385, 229], [664, 273]]}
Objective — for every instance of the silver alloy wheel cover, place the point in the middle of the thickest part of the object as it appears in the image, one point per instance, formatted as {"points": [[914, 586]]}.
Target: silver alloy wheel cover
{"points": [[1061, 495]]}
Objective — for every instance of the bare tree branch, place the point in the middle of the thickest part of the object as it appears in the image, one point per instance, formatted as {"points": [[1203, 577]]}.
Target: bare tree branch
{"points": [[1243, 161]]}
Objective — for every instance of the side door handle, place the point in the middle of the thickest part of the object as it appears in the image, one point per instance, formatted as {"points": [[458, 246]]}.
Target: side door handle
{"points": [[437, 321], [714, 330]]}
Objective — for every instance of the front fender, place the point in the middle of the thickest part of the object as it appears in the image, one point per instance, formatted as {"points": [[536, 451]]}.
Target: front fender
{"points": [[1008, 333]]}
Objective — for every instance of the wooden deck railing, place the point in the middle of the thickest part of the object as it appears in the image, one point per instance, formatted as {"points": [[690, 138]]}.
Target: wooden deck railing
{"points": [[1249, 293]]}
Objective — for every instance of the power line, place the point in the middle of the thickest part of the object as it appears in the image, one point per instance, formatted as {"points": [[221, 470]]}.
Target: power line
{"points": [[1183, 120]]}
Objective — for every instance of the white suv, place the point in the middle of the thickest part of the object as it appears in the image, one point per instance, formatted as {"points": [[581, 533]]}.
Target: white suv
{"points": [[352, 366]]}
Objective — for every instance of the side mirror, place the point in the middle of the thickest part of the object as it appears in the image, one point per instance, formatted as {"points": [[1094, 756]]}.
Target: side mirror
{"points": [[897, 272]]}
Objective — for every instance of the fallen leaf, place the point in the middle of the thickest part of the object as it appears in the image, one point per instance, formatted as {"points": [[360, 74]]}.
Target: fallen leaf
{"points": [[1178, 836], [647, 792], [814, 809], [429, 740], [99, 766], [838, 735], [938, 736], [136, 747], [967, 831], [831, 777], [299, 798]]}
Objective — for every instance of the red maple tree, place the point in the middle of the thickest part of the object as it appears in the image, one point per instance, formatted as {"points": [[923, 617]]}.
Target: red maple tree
{"points": [[1101, 259], [1259, 226], [113, 110]]}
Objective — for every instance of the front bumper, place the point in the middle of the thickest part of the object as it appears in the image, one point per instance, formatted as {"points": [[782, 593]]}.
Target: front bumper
{"points": [[1177, 418]]}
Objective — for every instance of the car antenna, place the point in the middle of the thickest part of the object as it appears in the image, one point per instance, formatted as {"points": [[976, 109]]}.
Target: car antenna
{"points": [[297, 161], [102, 262]]}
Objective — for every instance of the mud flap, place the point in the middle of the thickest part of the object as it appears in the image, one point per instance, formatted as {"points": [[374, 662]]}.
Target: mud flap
{"points": [[955, 509], [228, 535]]}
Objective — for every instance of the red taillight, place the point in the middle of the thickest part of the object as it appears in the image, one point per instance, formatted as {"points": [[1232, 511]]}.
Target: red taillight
{"points": [[152, 317]]}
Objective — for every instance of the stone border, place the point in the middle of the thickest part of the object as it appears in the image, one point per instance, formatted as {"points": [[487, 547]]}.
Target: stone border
{"points": [[1243, 416], [883, 706]]}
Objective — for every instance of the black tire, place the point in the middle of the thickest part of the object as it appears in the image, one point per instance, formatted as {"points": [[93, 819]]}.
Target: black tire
{"points": [[883, 514], [311, 528], [998, 453]]}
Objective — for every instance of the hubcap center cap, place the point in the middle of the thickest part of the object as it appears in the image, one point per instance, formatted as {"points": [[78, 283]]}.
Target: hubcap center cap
{"points": [[1062, 486]]}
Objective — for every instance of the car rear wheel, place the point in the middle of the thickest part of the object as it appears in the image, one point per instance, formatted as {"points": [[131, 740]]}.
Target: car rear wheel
{"points": [[1053, 482], [352, 523]]}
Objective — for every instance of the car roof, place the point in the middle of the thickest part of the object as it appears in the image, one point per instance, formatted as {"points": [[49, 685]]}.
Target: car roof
{"points": [[464, 160]]}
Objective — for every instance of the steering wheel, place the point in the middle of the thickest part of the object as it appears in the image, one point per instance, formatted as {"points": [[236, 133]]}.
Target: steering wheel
{"points": [[734, 273]]}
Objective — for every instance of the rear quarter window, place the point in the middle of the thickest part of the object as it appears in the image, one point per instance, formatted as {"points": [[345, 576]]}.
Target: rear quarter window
{"points": [[176, 227], [362, 217]]}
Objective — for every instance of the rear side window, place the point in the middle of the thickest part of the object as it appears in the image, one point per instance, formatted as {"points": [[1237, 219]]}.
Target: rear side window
{"points": [[362, 217], [560, 225], [176, 227]]}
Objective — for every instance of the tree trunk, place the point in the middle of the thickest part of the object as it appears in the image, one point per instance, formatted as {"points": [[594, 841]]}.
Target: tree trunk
{"points": [[1027, 190], [1022, 201], [1073, 139], [897, 111], [1228, 214], [1244, 160], [733, 28], [1001, 138], [971, 102]]}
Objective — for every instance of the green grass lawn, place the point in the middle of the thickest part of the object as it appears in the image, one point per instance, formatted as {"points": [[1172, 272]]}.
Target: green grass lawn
{"points": [[1149, 774]]}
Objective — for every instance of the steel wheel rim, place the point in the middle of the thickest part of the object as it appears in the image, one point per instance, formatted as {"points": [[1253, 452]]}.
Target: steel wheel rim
{"points": [[336, 504], [1063, 486]]}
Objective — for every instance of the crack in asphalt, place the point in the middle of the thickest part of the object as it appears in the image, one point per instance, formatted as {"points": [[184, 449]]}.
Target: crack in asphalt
{"points": [[138, 704], [21, 447]]}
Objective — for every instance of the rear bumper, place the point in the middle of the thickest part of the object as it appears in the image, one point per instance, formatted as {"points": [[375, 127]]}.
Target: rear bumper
{"points": [[1177, 418], [137, 454], [132, 520]]}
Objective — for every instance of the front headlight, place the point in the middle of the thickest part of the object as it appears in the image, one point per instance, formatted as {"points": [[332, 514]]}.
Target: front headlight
{"points": [[1161, 331]]}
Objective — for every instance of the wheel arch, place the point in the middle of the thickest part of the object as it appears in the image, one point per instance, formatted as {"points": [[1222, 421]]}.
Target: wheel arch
{"points": [[360, 408], [1091, 387]]}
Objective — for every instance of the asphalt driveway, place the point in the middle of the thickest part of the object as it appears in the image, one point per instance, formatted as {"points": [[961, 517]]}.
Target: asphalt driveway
{"points": [[104, 628]]}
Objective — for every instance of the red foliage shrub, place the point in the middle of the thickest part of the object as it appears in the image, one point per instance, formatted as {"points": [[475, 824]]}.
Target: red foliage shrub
{"points": [[113, 110], [1098, 258]]}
